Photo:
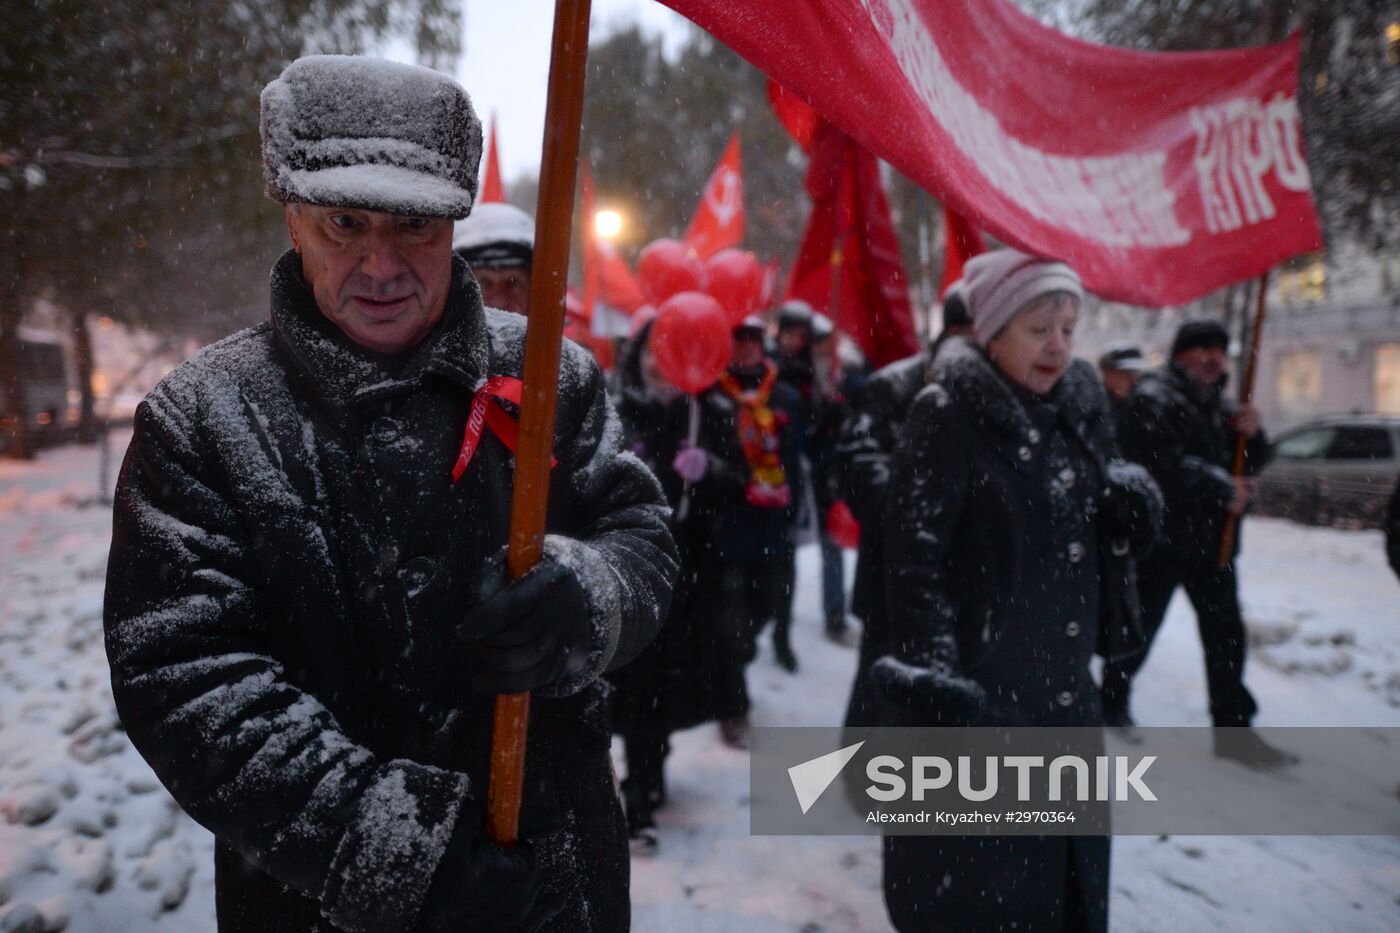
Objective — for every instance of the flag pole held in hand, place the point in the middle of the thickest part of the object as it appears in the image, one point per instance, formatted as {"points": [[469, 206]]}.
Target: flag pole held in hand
{"points": [[543, 337], [1227, 537]]}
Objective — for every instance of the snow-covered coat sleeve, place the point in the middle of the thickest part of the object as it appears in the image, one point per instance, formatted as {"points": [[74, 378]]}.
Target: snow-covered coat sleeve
{"points": [[617, 538], [262, 764]]}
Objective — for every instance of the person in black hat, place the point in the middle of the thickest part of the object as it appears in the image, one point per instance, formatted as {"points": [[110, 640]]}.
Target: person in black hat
{"points": [[755, 524], [1182, 428]]}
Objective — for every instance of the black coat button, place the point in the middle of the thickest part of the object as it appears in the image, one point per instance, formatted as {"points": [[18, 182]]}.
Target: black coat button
{"points": [[385, 430], [417, 572]]}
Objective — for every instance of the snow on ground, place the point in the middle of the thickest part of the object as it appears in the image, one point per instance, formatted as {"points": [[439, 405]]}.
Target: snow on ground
{"points": [[90, 843]]}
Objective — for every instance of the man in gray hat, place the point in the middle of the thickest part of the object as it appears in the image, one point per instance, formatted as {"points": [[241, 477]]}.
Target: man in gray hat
{"points": [[307, 612]]}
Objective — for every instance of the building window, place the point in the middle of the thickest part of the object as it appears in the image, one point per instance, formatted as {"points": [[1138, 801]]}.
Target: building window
{"points": [[1299, 383], [1388, 378], [1305, 283]]}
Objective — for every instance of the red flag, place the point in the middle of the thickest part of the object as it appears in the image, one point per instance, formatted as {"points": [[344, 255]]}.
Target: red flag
{"points": [[961, 243], [491, 187], [849, 264], [719, 219], [620, 289], [1158, 176]]}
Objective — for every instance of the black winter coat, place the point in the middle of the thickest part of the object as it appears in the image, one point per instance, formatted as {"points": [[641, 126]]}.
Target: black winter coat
{"points": [[1181, 433], [671, 684], [993, 523], [992, 531], [290, 552]]}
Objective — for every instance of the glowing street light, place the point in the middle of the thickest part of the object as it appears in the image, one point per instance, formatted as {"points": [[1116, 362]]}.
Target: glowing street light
{"points": [[607, 224]]}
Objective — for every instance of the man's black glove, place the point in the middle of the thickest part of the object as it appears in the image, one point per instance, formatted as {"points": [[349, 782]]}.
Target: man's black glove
{"points": [[480, 886], [529, 632], [935, 695]]}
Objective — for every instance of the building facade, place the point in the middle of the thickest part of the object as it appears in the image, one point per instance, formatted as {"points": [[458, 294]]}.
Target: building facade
{"points": [[1331, 340]]}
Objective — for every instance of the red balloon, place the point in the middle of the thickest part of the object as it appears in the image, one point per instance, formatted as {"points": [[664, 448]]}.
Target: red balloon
{"points": [[665, 268], [736, 279], [691, 341]]}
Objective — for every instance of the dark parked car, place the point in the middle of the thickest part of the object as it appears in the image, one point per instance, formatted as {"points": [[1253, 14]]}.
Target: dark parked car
{"points": [[1338, 470]]}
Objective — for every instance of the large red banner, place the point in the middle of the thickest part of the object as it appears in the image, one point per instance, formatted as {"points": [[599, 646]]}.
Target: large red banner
{"points": [[1158, 176]]}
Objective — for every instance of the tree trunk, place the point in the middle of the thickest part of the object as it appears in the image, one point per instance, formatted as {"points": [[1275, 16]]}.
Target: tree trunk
{"points": [[21, 443], [83, 362]]}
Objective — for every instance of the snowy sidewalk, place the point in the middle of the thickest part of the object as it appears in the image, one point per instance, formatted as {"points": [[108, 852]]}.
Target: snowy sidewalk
{"points": [[90, 843]]}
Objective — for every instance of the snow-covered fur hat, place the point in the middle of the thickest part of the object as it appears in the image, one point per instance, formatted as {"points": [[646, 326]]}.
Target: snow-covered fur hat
{"points": [[495, 235], [351, 131], [998, 284]]}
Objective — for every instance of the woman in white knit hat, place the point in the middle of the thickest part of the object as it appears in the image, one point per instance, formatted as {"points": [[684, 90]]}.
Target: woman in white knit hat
{"points": [[997, 518]]}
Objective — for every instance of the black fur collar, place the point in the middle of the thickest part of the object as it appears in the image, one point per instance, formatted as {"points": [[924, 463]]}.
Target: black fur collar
{"points": [[969, 378]]}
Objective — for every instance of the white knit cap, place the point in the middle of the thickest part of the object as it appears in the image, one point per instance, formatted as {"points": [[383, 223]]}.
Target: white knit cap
{"points": [[998, 284]]}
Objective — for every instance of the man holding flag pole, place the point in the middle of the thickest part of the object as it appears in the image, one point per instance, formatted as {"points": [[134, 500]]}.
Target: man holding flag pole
{"points": [[311, 603]]}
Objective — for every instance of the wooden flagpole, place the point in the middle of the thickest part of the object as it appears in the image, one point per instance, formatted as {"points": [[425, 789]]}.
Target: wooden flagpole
{"points": [[1227, 537], [543, 338]]}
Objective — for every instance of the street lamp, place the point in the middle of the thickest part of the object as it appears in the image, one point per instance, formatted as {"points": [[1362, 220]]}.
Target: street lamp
{"points": [[607, 224]]}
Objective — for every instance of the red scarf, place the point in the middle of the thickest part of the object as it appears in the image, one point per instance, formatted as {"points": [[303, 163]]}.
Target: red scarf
{"points": [[485, 415], [760, 435]]}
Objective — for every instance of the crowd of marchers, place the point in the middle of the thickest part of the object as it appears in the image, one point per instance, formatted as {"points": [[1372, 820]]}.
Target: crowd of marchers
{"points": [[308, 613], [1019, 513]]}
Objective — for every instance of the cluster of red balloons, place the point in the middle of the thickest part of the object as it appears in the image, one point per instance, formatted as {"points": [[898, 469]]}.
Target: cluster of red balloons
{"points": [[697, 305]]}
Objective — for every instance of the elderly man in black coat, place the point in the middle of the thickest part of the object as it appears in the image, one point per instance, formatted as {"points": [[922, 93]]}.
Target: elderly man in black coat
{"points": [[307, 609], [1179, 424]]}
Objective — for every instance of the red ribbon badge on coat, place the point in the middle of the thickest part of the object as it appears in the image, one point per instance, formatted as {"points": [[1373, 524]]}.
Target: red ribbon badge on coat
{"points": [[485, 415]]}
